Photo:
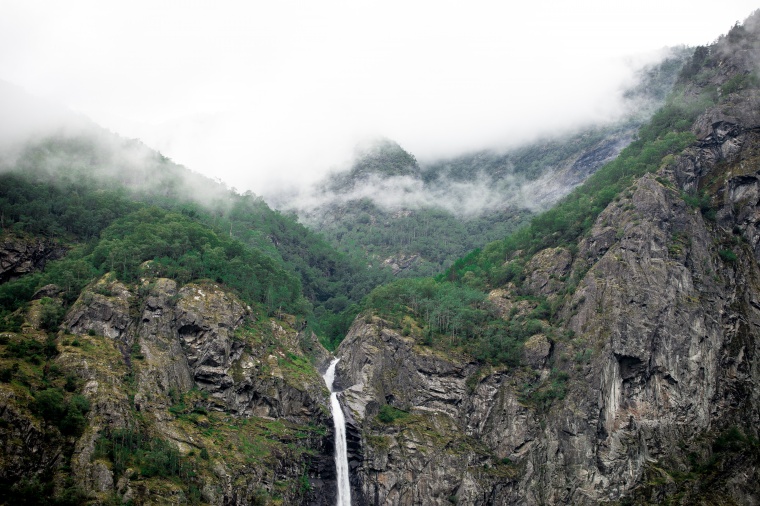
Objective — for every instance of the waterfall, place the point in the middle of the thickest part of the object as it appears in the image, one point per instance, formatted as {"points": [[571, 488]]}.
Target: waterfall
{"points": [[341, 447]]}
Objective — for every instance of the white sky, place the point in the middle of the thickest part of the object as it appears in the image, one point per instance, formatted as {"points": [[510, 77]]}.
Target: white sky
{"points": [[262, 93]]}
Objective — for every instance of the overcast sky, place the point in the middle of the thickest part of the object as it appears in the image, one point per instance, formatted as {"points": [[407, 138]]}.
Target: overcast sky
{"points": [[262, 93]]}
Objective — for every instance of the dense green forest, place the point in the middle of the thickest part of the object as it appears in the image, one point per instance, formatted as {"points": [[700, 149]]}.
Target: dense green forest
{"points": [[72, 190], [430, 237]]}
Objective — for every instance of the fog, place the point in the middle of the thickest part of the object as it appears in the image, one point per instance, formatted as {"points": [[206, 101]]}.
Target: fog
{"points": [[464, 199], [55, 144], [267, 95]]}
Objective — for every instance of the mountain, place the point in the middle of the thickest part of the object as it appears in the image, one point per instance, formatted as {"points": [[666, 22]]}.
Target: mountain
{"points": [[606, 353], [146, 314], [418, 218], [106, 174], [163, 347]]}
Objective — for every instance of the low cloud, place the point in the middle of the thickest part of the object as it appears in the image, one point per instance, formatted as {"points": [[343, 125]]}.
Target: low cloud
{"points": [[275, 94]]}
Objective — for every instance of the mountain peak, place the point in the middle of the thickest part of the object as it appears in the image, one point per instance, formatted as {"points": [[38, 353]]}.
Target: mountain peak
{"points": [[380, 158]]}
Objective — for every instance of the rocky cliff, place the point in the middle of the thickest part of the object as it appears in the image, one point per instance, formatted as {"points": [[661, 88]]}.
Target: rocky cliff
{"points": [[645, 390], [223, 400], [21, 255]]}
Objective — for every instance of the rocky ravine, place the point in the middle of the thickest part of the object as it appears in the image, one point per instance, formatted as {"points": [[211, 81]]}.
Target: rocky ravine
{"points": [[661, 359]]}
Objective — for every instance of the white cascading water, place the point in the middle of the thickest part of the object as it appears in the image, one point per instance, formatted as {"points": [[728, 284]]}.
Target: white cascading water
{"points": [[341, 447]]}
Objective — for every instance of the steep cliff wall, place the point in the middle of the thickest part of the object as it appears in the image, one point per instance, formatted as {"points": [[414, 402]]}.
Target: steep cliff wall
{"points": [[645, 389], [216, 404]]}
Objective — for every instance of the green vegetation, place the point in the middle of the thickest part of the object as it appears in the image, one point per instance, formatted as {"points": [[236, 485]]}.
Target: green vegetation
{"points": [[443, 307], [66, 192], [67, 415], [564, 224], [150, 456], [701, 475], [727, 256], [178, 247], [74, 209], [430, 238], [388, 414], [740, 82], [450, 316], [34, 382], [733, 441], [185, 250], [542, 395], [383, 158], [40, 491]]}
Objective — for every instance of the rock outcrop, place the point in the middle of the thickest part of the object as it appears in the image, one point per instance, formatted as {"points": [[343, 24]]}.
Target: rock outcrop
{"points": [[23, 255], [192, 366], [664, 362]]}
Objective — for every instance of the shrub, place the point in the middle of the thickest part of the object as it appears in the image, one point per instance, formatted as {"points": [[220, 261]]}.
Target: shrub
{"points": [[52, 406], [51, 314], [727, 255], [389, 414], [731, 440]]}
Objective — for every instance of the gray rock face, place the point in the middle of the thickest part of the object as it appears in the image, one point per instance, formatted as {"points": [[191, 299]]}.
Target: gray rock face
{"points": [[176, 341], [547, 269], [536, 351], [163, 368], [404, 463], [555, 184], [664, 358], [400, 262], [103, 310], [19, 255], [27, 449]]}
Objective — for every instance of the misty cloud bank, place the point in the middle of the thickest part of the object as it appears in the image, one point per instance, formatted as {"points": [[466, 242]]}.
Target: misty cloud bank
{"points": [[481, 193], [274, 95], [40, 137], [531, 175], [46, 141], [406, 192]]}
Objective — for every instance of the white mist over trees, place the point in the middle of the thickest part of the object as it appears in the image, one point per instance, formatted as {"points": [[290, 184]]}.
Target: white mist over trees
{"points": [[262, 94]]}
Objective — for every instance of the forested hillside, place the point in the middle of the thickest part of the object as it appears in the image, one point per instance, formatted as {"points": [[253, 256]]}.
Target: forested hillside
{"points": [[181, 294], [115, 204]]}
